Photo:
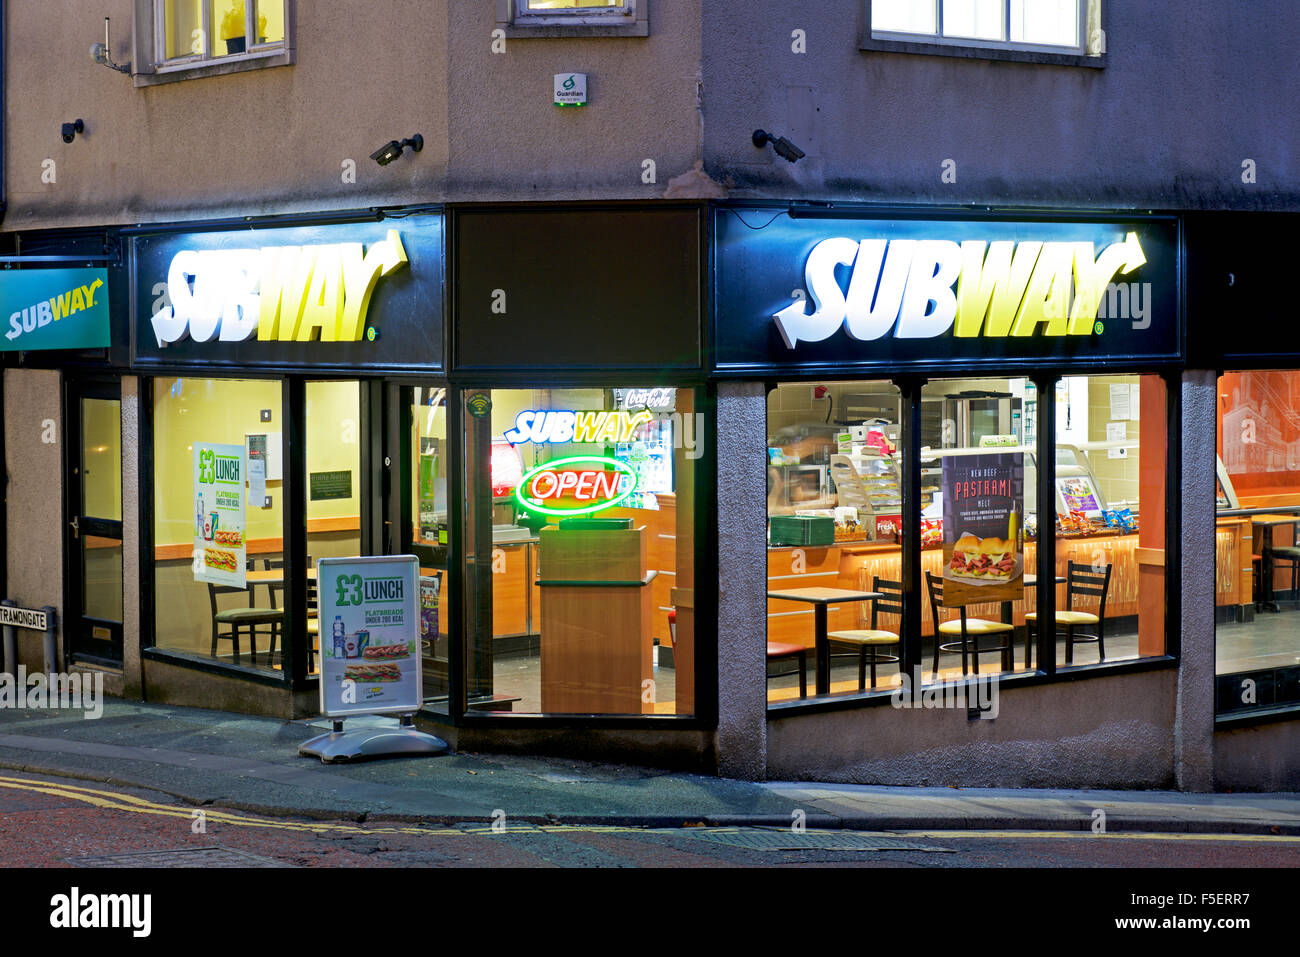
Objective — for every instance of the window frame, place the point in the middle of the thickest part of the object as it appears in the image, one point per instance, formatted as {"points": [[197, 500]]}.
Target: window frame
{"points": [[151, 65], [1287, 710], [463, 635], [630, 19], [1046, 670], [889, 41]]}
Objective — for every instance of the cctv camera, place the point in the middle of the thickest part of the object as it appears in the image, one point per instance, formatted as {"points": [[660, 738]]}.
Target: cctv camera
{"points": [[393, 149], [70, 130], [387, 153], [782, 146], [787, 150]]}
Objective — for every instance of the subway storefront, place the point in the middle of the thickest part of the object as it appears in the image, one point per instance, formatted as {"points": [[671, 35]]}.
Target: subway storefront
{"points": [[969, 476], [883, 496], [291, 382], [283, 392]]}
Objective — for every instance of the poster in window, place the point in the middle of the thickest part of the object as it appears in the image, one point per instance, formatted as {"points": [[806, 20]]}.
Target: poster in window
{"points": [[983, 555], [219, 514]]}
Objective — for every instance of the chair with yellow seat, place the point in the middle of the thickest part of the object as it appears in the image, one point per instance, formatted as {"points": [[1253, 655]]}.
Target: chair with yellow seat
{"points": [[969, 629], [871, 640], [1082, 580]]}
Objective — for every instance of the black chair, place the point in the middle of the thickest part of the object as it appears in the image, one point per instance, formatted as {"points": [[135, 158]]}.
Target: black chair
{"points": [[1082, 580], [273, 590], [1288, 554], [970, 630], [228, 623], [874, 638], [313, 617]]}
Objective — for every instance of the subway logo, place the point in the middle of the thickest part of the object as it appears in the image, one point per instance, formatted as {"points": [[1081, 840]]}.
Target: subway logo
{"points": [[276, 293], [906, 287], [76, 299]]}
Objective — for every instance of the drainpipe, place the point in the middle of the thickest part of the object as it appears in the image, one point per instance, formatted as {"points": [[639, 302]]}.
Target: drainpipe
{"points": [[3, 203]]}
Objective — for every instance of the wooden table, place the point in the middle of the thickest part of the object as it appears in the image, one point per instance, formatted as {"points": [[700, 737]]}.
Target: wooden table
{"points": [[820, 599], [1266, 552]]}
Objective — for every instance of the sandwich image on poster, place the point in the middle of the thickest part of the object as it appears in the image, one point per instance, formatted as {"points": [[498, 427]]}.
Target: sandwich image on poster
{"points": [[983, 559]]}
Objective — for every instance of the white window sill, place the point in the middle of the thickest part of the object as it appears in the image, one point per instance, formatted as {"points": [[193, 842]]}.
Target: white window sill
{"points": [[525, 27], [197, 69], [974, 49]]}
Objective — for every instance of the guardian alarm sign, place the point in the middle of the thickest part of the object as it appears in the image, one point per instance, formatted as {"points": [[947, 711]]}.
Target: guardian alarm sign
{"points": [[858, 292]]}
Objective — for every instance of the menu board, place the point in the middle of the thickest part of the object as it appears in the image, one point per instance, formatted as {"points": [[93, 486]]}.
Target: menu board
{"points": [[219, 544], [983, 559], [370, 627]]}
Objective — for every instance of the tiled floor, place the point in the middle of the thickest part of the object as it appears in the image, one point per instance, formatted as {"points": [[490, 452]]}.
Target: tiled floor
{"points": [[1272, 640]]}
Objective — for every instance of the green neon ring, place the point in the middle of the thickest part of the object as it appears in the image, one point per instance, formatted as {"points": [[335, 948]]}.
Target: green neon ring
{"points": [[585, 510]]}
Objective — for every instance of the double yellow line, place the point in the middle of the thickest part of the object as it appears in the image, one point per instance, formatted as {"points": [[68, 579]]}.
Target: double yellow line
{"points": [[113, 801]]}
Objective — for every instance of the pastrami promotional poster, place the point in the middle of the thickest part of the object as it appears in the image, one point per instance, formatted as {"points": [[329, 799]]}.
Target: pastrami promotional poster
{"points": [[983, 498]]}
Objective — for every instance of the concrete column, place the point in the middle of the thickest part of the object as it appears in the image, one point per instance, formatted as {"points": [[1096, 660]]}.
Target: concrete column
{"points": [[742, 580], [132, 515], [34, 520], [1194, 708]]}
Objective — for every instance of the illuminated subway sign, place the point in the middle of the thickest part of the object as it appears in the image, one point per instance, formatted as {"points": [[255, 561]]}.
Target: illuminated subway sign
{"points": [[577, 485], [582, 427], [276, 293], [1003, 288]]}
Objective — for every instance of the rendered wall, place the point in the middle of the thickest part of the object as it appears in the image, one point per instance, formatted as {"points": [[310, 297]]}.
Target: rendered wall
{"points": [[1106, 732], [1190, 89], [260, 142], [34, 498]]}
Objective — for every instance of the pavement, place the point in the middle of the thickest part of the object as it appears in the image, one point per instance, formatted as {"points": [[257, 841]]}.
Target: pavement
{"points": [[251, 764]]}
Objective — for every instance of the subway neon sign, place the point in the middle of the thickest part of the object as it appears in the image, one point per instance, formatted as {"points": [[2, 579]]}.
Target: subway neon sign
{"points": [[562, 425], [576, 485], [274, 294], [904, 287]]}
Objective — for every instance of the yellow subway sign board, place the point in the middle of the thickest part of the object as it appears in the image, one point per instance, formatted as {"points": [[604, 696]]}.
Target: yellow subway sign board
{"points": [[1004, 288], [318, 292], [54, 309], [827, 289]]}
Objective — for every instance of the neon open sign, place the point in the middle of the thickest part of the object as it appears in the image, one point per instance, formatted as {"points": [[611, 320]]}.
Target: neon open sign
{"points": [[577, 485]]}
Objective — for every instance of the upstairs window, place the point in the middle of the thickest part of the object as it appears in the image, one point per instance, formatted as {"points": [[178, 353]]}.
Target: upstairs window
{"points": [[1001, 29], [191, 30], [180, 39], [573, 18]]}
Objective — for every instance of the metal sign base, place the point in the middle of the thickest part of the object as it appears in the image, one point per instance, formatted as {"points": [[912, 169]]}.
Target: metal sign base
{"points": [[371, 743]]}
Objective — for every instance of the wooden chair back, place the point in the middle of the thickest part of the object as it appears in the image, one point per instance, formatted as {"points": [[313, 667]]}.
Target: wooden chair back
{"points": [[1083, 580], [890, 604]]}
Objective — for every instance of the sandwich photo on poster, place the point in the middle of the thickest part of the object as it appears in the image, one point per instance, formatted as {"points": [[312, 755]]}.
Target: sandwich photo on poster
{"points": [[983, 559]]}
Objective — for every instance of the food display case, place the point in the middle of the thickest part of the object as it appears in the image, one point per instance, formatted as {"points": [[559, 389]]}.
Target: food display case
{"points": [[1077, 488]]}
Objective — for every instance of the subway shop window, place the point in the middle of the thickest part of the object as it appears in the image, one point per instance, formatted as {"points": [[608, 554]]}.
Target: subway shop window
{"points": [[218, 521], [579, 554]]}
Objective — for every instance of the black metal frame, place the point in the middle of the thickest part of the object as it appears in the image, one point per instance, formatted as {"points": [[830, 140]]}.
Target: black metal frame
{"points": [[705, 585], [76, 646], [1046, 672]]}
